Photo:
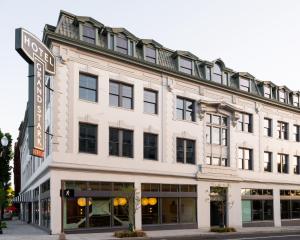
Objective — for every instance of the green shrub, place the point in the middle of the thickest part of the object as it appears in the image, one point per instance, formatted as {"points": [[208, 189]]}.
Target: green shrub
{"points": [[222, 230], [124, 234], [3, 225]]}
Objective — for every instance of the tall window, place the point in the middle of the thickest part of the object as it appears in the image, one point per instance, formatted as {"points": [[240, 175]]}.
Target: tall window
{"points": [[150, 101], [282, 96], [245, 122], [120, 95], [245, 158], [185, 109], [185, 150], [88, 34], [88, 87], [267, 161], [185, 65], [296, 100], [245, 85], [217, 75], [268, 127], [150, 54], [88, 138], [216, 129], [150, 146], [122, 44], [296, 133], [282, 163], [282, 130], [267, 92], [296, 164], [120, 142]]}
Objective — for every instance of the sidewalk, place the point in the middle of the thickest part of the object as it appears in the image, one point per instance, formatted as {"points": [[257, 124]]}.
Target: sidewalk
{"points": [[18, 230]]}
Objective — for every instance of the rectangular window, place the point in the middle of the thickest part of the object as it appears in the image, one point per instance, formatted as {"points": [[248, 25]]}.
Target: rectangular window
{"points": [[296, 133], [245, 158], [216, 129], [244, 85], [282, 130], [267, 92], [150, 54], [282, 96], [185, 65], [88, 138], [88, 34], [245, 122], [122, 44], [88, 87], [185, 150], [120, 95], [150, 146], [296, 100], [282, 163], [150, 101], [185, 109], [208, 73], [120, 142], [296, 164], [267, 161], [267, 127]]}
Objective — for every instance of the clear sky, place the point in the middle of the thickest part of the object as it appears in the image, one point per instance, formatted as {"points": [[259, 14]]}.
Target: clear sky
{"points": [[261, 37]]}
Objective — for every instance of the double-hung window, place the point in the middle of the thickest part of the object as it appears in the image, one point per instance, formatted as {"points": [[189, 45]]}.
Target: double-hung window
{"points": [[88, 34], [216, 129], [88, 87], [122, 44], [245, 85], [296, 133], [88, 138], [185, 65], [150, 146], [282, 163], [282, 130], [296, 100], [245, 122], [267, 92], [267, 161], [185, 109], [245, 158], [185, 150], [150, 54], [120, 95], [267, 127], [217, 74], [282, 96], [120, 142], [150, 101]]}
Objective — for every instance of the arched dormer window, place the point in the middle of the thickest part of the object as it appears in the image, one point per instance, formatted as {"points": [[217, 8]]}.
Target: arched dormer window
{"points": [[217, 73]]}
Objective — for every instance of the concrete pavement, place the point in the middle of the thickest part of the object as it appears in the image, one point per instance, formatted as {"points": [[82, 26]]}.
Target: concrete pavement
{"points": [[18, 230]]}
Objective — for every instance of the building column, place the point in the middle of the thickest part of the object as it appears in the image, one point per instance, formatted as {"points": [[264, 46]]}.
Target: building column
{"points": [[276, 207], [234, 207], [55, 208], [203, 205], [138, 213]]}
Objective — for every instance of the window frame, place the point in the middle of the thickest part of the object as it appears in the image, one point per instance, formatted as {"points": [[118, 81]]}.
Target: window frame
{"points": [[120, 48], [86, 138], [269, 161], [120, 142], [184, 109], [280, 158], [185, 141], [269, 129], [149, 58], [244, 87], [120, 95], [88, 38], [149, 147], [281, 134], [296, 134], [87, 88], [242, 123], [243, 159], [184, 69], [151, 103], [296, 167]]}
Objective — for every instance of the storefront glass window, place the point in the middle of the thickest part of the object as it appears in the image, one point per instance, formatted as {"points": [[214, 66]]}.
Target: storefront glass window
{"points": [[100, 212], [169, 210], [188, 210], [150, 212]]}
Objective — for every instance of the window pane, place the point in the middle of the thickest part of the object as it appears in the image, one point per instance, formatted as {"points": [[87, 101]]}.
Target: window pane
{"points": [[127, 102], [150, 96], [180, 150], [169, 210], [87, 81], [216, 119], [190, 151], [179, 103], [150, 146], [216, 135], [127, 143], [150, 52], [114, 100], [127, 91], [87, 94], [87, 138], [113, 88], [188, 210]]}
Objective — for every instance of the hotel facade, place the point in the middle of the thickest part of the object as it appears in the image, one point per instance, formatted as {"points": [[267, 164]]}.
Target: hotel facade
{"points": [[123, 111]]}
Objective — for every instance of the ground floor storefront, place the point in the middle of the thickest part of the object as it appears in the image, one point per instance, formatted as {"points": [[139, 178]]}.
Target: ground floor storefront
{"points": [[93, 202]]}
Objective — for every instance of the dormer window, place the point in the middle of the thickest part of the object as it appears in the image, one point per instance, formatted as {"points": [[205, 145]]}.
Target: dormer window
{"points": [[282, 96], [208, 73], [122, 44], [296, 100], [217, 74], [244, 84], [185, 65], [150, 54], [267, 92], [89, 34]]}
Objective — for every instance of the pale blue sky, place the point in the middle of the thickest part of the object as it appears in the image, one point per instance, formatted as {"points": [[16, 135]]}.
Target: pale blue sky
{"points": [[261, 37]]}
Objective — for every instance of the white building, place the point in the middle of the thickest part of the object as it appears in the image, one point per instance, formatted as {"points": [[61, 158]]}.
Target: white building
{"points": [[128, 111]]}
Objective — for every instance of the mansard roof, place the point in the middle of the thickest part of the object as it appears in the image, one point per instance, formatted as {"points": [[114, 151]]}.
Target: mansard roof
{"points": [[68, 30]]}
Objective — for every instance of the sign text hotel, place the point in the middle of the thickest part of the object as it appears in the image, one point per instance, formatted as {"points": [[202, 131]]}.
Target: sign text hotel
{"points": [[40, 59]]}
